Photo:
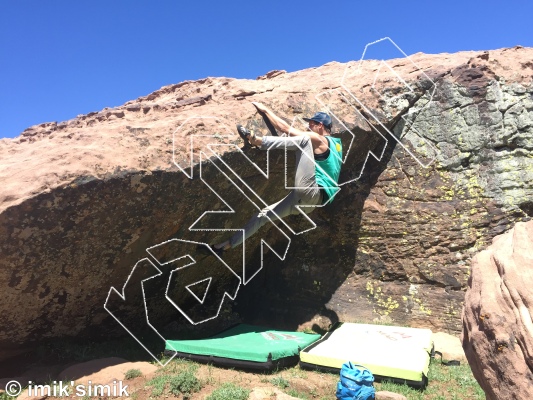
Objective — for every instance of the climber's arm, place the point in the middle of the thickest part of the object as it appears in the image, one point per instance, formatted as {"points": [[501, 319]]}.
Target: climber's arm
{"points": [[284, 127]]}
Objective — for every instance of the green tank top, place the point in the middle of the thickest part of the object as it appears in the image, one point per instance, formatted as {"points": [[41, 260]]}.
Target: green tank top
{"points": [[327, 171]]}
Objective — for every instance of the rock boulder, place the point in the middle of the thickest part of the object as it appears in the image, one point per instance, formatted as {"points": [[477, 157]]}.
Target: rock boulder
{"points": [[497, 324], [113, 199], [449, 345]]}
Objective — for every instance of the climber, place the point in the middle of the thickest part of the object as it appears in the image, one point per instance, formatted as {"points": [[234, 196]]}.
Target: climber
{"points": [[318, 164]]}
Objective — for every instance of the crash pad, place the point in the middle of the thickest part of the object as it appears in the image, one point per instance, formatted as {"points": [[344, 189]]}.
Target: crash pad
{"points": [[395, 353], [245, 346]]}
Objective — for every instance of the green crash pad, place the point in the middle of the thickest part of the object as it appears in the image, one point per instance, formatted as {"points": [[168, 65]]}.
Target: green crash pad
{"points": [[390, 352], [244, 345]]}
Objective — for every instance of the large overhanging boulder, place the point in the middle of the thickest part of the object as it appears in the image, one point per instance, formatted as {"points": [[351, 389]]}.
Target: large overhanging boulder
{"points": [[497, 325], [84, 201]]}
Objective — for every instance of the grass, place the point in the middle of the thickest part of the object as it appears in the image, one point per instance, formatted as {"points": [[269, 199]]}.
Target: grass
{"points": [[169, 382], [297, 373], [298, 394], [229, 391], [446, 383], [280, 382], [184, 383], [179, 377], [159, 384], [132, 373]]}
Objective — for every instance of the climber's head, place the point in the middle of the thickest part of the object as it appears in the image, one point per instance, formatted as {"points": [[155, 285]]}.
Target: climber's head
{"points": [[320, 118]]}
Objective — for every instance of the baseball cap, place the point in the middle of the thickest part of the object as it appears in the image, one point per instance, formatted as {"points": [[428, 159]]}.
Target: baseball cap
{"points": [[320, 117]]}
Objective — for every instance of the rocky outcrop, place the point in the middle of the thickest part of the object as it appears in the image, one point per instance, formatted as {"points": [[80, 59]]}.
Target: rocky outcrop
{"points": [[497, 325], [85, 200]]}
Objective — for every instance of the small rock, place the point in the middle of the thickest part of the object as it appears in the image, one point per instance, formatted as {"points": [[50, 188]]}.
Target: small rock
{"points": [[384, 395], [450, 346], [266, 393], [383, 319]]}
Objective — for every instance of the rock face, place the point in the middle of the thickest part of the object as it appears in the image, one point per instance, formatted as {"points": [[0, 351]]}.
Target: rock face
{"points": [[107, 200], [497, 325]]}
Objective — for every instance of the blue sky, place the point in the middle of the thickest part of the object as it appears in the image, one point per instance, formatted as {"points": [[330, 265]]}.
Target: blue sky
{"points": [[62, 58]]}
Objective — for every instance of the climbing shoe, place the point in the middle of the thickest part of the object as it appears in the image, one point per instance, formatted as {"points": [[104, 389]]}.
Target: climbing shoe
{"points": [[245, 135]]}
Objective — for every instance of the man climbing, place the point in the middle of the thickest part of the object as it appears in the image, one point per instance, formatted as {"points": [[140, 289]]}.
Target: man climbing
{"points": [[318, 164]]}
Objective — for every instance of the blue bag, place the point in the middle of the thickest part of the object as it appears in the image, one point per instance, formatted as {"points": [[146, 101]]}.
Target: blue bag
{"points": [[356, 383]]}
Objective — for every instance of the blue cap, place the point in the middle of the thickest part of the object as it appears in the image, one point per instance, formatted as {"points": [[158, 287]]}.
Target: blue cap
{"points": [[320, 117]]}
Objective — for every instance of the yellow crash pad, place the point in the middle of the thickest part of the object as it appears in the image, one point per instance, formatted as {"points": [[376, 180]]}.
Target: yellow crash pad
{"points": [[387, 351]]}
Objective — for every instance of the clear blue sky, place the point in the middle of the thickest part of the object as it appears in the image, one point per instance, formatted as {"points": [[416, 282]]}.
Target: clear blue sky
{"points": [[61, 58]]}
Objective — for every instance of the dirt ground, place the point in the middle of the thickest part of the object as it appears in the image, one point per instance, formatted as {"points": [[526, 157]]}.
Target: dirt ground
{"points": [[311, 384], [445, 383]]}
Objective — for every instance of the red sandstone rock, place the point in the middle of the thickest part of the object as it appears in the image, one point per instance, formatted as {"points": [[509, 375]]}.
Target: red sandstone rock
{"points": [[449, 345], [385, 395], [260, 393], [83, 199], [497, 324]]}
